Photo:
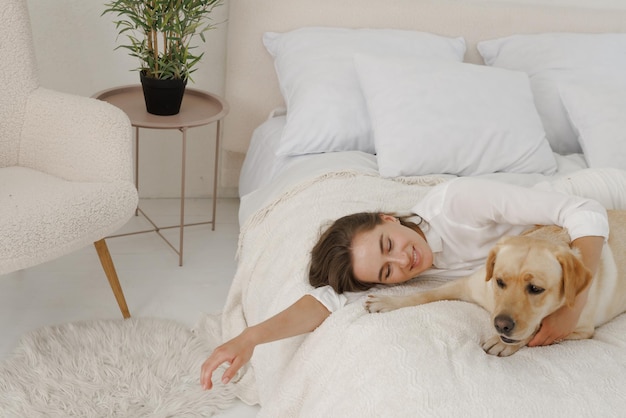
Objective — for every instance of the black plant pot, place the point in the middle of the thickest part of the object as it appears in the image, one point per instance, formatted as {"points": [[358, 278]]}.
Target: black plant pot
{"points": [[163, 97]]}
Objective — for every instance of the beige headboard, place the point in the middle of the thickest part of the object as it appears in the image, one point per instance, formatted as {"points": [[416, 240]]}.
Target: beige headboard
{"points": [[251, 84]]}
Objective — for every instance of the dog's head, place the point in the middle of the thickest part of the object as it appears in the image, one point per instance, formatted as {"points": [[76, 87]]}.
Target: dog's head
{"points": [[531, 278]]}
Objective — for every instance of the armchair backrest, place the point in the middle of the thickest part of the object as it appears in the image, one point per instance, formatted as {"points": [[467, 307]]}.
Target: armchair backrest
{"points": [[18, 76]]}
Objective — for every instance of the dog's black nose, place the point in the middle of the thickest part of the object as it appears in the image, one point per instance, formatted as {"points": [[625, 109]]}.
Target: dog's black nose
{"points": [[504, 324]]}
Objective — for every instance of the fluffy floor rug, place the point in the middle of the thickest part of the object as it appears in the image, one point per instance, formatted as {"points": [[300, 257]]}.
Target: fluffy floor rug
{"points": [[110, 368]]}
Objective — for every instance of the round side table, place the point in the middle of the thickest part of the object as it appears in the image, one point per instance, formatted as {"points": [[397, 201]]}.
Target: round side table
{"points": [[198, 108]]}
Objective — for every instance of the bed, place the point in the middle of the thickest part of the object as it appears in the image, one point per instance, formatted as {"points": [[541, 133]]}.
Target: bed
{"points": [[427, 77]]}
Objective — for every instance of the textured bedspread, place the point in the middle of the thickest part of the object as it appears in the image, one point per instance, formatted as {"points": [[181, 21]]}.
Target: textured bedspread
{"points": [[420, 361]]}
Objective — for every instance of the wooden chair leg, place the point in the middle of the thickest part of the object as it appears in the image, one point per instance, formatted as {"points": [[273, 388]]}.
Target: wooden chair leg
{"points": [[109, 270]]}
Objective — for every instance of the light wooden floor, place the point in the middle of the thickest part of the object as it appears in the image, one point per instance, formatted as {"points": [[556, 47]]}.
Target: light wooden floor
{"points": [[74, 288]]}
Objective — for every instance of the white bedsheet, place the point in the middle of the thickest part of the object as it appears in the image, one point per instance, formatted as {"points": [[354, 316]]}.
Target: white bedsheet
{"points": [[261, 162], [262, 165], [302, 168]]}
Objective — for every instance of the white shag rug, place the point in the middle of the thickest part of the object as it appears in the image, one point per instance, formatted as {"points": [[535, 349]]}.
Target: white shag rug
{"points": [[110, 368]]}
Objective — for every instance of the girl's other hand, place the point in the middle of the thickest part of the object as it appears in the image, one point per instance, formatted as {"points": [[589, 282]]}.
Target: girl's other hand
{"points": [[236, 352]]}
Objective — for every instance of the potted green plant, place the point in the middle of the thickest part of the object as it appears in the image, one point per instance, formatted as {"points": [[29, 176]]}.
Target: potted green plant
{"points": [[160, 34]]}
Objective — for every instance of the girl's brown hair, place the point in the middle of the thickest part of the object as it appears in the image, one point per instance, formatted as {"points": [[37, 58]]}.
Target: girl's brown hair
{"points": [[331, 257]]}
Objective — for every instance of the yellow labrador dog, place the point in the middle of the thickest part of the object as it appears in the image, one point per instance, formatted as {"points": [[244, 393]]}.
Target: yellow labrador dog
{"points": [[530, 276]]}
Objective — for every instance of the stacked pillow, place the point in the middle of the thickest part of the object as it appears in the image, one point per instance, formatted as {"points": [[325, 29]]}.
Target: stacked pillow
{"points": [[596, 108], [454, 118], [407, 97], [318, 80], [572, 75]]}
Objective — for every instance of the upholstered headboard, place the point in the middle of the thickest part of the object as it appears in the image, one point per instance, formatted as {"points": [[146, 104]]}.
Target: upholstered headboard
{"points": [[251, 85]]}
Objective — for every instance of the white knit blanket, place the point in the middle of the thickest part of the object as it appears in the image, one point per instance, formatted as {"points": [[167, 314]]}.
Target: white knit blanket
{"points": [[420, 361]]}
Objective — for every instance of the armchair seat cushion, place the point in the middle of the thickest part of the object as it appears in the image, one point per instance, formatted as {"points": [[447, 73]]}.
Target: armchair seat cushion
{"points": [[43, 217]]}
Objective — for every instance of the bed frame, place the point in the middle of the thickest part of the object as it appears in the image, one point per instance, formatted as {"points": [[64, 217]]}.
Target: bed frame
{"points": [[251, 85]]}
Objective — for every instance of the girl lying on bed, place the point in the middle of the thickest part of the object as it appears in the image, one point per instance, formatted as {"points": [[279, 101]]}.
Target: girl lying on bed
{"points": [[450, 234]]}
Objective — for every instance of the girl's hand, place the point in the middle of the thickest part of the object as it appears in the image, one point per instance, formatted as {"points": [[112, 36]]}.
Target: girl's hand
{"points": [[237, 352], [561, 323], [556, 326]]}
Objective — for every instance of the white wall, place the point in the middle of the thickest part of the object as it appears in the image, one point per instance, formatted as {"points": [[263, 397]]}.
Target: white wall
{"points": [[75, 52], [595, 4]]}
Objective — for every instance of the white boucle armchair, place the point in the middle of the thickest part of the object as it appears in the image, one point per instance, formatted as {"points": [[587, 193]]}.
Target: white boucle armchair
{"points": [[65, 162]]}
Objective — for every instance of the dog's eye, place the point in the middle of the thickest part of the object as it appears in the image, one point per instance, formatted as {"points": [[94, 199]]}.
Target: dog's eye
{"points": [[534, 290], [501, 283]]}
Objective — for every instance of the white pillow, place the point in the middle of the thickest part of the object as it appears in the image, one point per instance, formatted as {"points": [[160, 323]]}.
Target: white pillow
{"points": [[597, 109], [325, 107], [552, 58], [454, 118]]}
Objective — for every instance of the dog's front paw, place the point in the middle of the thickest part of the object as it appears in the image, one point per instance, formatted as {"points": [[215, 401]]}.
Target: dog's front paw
{"points": [[378, 303], [496, 347]]}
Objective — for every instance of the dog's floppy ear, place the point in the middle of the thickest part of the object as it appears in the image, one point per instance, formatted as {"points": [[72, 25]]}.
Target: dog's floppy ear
{"points": [[491, 261], [491, 258], [576, 277]]}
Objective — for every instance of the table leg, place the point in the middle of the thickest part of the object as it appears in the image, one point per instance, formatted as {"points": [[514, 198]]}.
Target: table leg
{"points": [[182, 198], [137, 165], [215, 172]]}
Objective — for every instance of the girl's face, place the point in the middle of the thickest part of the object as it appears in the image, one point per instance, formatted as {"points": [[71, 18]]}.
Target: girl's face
{"points": [[390, 253]]}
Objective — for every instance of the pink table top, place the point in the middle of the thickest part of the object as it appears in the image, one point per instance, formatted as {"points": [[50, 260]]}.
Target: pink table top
{"points": [[198, 108]]}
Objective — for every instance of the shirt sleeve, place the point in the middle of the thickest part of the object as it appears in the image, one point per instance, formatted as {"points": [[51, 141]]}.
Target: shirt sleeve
{"points": [[483, 202], [327, 296]]}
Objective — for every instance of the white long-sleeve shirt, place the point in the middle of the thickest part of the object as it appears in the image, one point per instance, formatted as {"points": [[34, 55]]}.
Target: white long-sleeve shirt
{"points": [[463, 219]]}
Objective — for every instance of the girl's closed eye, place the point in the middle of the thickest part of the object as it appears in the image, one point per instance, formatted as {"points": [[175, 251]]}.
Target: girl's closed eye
{"points": [[388, 269]]}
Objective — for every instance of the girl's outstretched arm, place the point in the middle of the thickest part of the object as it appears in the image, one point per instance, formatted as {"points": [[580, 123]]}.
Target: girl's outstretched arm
{"points": [[306, 314]]}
